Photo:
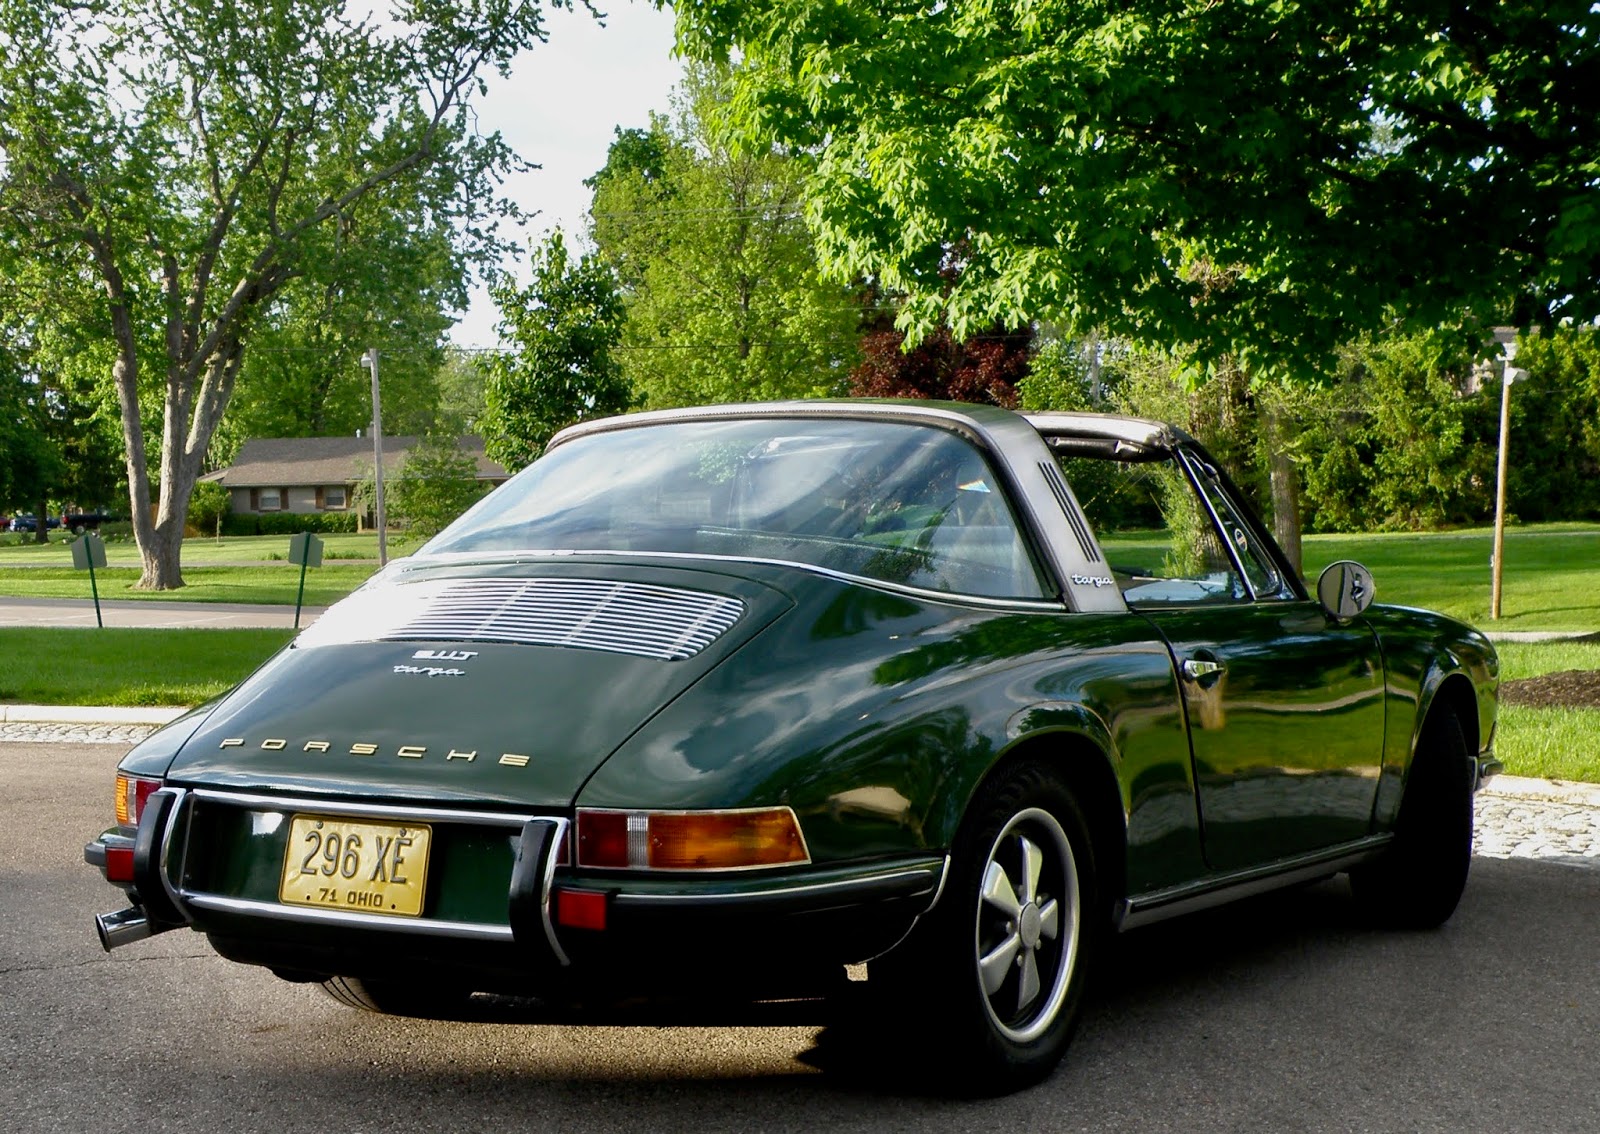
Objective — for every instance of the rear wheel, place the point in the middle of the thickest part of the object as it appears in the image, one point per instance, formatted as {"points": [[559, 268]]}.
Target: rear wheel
{"points": [[1418, 881], [395, 999], [992, 981]]}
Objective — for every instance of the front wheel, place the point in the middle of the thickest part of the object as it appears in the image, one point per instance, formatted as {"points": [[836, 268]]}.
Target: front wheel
{"points": [[992, 981], [1418, 881]]}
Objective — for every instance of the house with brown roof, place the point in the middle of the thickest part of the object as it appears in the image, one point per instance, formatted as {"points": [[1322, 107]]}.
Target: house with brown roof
{"points": [[320, 474]]}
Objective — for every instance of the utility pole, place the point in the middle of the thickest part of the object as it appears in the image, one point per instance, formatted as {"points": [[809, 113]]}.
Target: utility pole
{"points": [[370, 361], [1507, 338]]}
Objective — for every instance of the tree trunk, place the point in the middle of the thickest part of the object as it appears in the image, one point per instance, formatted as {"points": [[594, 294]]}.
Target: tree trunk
{"points": [[41, 530], [1285, 480]]}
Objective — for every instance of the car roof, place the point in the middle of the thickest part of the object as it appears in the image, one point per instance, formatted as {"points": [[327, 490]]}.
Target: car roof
{"points": [[978, 418]]}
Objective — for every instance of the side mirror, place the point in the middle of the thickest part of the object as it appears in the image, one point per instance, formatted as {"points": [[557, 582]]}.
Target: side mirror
{"points": [[1345, 589]]}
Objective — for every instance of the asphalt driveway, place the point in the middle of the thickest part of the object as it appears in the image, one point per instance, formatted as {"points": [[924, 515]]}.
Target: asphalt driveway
{"points": [[1282, 1014]]}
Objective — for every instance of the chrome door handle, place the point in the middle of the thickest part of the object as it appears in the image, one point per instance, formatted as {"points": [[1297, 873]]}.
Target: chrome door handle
{"points": [[1195, 668]]}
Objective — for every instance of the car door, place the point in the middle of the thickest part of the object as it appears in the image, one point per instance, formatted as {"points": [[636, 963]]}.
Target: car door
{"points": [[1285, 706]]}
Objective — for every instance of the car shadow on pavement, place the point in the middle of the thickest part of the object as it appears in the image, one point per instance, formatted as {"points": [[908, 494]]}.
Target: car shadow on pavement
{"points": [[1283, 1012]]}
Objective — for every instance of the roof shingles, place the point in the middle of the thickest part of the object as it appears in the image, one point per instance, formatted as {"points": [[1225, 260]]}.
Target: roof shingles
{"points": [[288, 462]]}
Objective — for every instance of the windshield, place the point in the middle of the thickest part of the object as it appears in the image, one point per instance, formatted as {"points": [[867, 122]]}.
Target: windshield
{"points": [[899, 503]]}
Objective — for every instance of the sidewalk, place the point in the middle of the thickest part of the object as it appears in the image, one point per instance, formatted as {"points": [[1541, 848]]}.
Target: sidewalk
{"points": [[153, 613], [88, 714]]}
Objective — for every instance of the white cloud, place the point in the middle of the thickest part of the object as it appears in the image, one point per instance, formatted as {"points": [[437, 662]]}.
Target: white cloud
{"points": [[559, 109]]}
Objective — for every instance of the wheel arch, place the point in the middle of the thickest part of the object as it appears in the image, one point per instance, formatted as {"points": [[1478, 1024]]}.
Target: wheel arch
{"points": [[1452, 693], [1086, 769]]}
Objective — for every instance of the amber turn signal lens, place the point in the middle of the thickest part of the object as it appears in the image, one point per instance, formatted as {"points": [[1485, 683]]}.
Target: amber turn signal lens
{"points": [[132, 791], [712, 840], [690, 840]]}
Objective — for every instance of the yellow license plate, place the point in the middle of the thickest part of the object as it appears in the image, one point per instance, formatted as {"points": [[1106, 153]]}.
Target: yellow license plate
{"points": [[336, 864]]}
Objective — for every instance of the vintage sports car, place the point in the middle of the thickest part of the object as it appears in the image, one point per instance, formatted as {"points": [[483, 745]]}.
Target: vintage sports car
{"points": [[709, 704]]}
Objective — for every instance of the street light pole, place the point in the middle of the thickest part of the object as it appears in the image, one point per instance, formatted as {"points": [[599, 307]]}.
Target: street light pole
{"points": [[370, 361], [1507, 338]]}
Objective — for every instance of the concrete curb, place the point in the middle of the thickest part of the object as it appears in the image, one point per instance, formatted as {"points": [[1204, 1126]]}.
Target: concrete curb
{"points": [[1542, 635], [1556, 791], [87, 715]]}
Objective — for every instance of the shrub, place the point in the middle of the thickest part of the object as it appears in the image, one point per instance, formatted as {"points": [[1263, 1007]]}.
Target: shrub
{"points": [[207, 505], [288, 523]]}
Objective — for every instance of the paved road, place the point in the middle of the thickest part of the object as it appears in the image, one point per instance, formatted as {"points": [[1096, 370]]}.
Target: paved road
{"points": [[150, 613], [1281, 1015]]}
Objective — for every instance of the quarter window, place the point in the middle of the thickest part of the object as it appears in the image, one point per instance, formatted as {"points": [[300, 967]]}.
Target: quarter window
{"points": [[1156, 531]]}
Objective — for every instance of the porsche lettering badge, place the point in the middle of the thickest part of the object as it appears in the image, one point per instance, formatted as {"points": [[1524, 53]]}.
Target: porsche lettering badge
{"points": [[366, 748]]}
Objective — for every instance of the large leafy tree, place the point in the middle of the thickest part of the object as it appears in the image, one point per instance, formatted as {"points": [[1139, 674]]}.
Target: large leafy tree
{"points": [[725, 299], [563, 328], [1257, 180], [189, 159], [57, 442], [391, 286]]}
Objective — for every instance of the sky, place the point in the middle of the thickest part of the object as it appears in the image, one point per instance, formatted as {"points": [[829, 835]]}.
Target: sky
{"points": [[559, 109]]}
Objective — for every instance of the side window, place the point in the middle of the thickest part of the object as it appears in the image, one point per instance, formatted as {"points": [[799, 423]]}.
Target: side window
{"points": [[1157, 534]]}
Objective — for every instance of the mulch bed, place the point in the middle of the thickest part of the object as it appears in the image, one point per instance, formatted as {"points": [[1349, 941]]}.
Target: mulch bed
{"points": [[1569, 689]]}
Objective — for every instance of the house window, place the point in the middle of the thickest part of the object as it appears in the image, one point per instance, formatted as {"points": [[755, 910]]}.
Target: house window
{"points": [[333, 497], [271, 500]]}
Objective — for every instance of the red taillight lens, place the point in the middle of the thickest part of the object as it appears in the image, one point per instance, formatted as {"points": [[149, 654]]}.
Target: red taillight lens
{"points": [[690, 840], [132, 791], [119, 864], [581, 909], [603, 838]]}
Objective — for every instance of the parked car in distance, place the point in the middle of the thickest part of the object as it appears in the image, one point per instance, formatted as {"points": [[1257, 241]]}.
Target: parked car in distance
{"points": [[80, 522], [28, 522], [706, 705]]}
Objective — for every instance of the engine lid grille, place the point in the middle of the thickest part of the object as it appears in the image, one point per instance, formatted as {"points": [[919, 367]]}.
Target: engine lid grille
{"points": [[665, 623]]}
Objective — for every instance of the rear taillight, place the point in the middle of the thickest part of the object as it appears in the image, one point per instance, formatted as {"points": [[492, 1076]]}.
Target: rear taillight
{"points": [[132, 791], [690, 840]]}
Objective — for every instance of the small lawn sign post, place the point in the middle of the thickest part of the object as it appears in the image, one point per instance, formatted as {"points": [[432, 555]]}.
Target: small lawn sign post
{"points": [[89, 552], [306, 550]]}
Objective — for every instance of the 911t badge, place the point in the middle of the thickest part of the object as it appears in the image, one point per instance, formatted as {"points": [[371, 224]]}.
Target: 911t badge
{"points": [[436, 670]]}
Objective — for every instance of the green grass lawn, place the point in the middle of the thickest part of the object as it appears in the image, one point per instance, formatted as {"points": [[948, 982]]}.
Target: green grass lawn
{"points": [[1552, 582], [270, 584], [1552, 744], [1551, 577], [1552, 572], [1555, 744], [128, 667], [229, 549]]}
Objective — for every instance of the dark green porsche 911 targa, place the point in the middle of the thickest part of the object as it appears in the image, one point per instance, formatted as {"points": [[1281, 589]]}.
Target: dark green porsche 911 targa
{"points": [[707, 705]]}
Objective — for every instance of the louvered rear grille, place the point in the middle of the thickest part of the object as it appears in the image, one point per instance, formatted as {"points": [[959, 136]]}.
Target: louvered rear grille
{"points": [[625, 618]]}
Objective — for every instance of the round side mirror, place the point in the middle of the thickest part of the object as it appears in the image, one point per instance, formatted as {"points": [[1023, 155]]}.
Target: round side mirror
{"points": [[1345, 589]]}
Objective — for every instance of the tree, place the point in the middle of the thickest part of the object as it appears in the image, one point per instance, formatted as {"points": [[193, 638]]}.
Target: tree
{"points": [[984, 368], [724, 297], [209, 504], [30, 464], [189, 159], [563, 327], [436, 484], [390, 285], [1255, 180]]}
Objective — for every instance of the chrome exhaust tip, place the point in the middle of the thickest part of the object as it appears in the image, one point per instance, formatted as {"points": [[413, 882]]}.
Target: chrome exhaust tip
{"points": [[124, 927]]}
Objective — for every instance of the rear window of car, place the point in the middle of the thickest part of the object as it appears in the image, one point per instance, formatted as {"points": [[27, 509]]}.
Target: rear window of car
{"points": [[894, 502]]}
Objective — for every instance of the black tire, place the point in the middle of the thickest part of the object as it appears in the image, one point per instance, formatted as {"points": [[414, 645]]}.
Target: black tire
{"points": [[393, 999], [991, 982], [1418, 881]]}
